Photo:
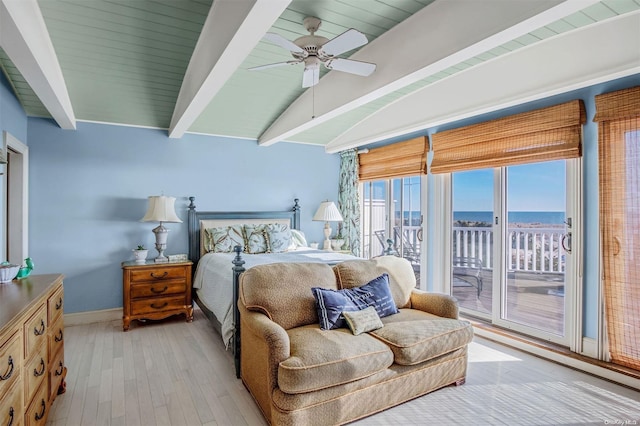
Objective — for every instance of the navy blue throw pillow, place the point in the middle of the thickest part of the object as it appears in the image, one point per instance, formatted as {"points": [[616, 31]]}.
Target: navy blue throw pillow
{"points": [[331, 303]]}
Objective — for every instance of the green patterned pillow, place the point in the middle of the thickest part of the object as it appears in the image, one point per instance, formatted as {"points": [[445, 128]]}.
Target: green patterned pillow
{"points": [[223, 239], [362, 321], [278, 237], [255, 236]]}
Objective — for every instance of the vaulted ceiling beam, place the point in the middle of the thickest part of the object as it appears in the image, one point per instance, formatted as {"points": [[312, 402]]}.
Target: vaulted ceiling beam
{"points": [[440, 35], [25, 39], [230, 32], [589, 55]]}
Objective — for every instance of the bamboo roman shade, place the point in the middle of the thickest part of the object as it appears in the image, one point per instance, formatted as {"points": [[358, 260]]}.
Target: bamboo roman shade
{"points": [[408, 158], [618, 117], [545, 134]]}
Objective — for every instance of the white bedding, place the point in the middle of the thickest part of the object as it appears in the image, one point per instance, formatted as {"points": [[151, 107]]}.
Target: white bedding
{"points": [[214, 285]]}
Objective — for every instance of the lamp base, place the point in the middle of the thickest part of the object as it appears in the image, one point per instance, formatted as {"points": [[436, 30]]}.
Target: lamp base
{"points": [[327, 233], [161, 243]]}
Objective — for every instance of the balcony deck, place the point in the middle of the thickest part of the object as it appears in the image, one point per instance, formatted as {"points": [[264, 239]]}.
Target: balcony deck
{"points": [[533, 299]]}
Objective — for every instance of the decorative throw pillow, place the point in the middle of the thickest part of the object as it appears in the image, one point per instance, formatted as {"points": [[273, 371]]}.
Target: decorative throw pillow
{"points": [[223, 239], [278, 237], [297, 240], [362, 321], [330, 304], [256, 239]]}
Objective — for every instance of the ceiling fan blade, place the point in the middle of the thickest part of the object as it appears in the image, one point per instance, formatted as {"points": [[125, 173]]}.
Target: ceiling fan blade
{"points": [[277, 39], [349, 65], [277, 64], [346, 41], [311, 76]]}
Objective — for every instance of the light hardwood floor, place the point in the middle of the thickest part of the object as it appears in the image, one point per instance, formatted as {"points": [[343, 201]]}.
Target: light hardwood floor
{"points": [[174, 373]]}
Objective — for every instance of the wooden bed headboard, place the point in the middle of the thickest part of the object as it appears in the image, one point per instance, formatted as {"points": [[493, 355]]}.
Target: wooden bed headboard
{"points": [[198, 221]]}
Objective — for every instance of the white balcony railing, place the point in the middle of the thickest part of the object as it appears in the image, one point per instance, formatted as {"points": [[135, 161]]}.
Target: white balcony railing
{"points": [[531, 249]]}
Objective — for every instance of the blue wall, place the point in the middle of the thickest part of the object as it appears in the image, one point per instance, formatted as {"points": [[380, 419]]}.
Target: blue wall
{"points": [[89, 189]]}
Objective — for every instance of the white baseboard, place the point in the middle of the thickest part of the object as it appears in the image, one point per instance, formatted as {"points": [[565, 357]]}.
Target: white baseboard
{"points": [[560, 359], [90, 317]]}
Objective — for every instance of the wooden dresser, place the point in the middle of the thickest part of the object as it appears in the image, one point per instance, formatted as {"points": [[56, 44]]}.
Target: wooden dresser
{"points": [[32, 370], [155, 291]]}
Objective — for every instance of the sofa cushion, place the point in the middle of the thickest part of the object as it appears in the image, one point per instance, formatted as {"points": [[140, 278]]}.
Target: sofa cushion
{"points": [[354, 273], [282, 291], [419, 340], [330, 304], [321, 359]]}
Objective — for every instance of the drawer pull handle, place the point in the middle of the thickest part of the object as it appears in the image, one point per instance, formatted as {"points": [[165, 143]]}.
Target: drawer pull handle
{"points": [[37, 373], [59, 337], [10, 416], [41, 331], [159, 277], [59, 370], [40, 415], [153, 305], [8, 374], [59, 304], [154, 290]]}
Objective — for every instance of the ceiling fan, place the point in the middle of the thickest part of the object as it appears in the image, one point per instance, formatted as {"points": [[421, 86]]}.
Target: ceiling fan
{"points": [[313, 50]]}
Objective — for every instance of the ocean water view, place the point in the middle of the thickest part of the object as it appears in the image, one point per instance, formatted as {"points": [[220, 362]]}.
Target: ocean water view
{"points": [[552, 218]]}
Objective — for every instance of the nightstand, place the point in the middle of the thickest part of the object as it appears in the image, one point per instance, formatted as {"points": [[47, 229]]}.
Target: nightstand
{"points": [[155, 291]]}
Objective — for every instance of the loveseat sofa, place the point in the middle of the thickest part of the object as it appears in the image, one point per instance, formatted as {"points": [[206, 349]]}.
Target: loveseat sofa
{"points": [[300, 374]]}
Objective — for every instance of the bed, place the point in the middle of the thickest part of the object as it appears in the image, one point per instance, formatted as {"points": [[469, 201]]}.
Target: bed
{"points": [[216, 276]]}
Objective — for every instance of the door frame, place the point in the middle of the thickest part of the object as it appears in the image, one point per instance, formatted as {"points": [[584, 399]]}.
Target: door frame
{"points": [[15, 193]]}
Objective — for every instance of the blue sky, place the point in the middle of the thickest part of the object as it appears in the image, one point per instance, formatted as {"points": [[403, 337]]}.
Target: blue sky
{"points": [[531, 187]]}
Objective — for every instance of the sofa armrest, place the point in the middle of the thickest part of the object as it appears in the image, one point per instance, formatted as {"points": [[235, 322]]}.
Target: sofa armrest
{"points": [[264, 345], [438, 304], [275, 337]]}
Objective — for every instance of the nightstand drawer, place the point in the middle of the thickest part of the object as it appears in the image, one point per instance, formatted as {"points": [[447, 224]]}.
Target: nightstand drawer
{"points": [[160, 288], [158, 274], [10, 360], [35, 331], [159, 304]]}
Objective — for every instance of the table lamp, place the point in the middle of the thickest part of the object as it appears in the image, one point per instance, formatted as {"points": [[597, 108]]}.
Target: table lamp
{"points": [[161, 209], [327, 212]]}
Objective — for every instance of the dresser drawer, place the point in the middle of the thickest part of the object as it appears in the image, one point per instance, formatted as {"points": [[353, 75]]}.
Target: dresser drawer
{"points": [[55, 305], [35, 372], [37, 412], [56, 374], [35, 331], [158, 274], [157, 304], [56, 337], [159, 288], [11, 407], [10, 362]]}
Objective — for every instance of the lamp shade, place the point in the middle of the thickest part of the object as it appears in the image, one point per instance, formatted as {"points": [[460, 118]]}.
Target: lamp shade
{"points": [[328, 212], [161, 209]]}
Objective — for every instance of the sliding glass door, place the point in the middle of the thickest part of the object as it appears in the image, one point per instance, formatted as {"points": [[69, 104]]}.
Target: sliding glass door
{"points": [[392, 219], [511, 245]]}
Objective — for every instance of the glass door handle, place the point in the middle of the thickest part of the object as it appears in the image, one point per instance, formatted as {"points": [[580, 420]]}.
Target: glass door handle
{"points": [[566, 242]]}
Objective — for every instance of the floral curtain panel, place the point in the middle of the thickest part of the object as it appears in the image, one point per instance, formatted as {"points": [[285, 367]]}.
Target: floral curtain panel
{"points": [[349, 200]]}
